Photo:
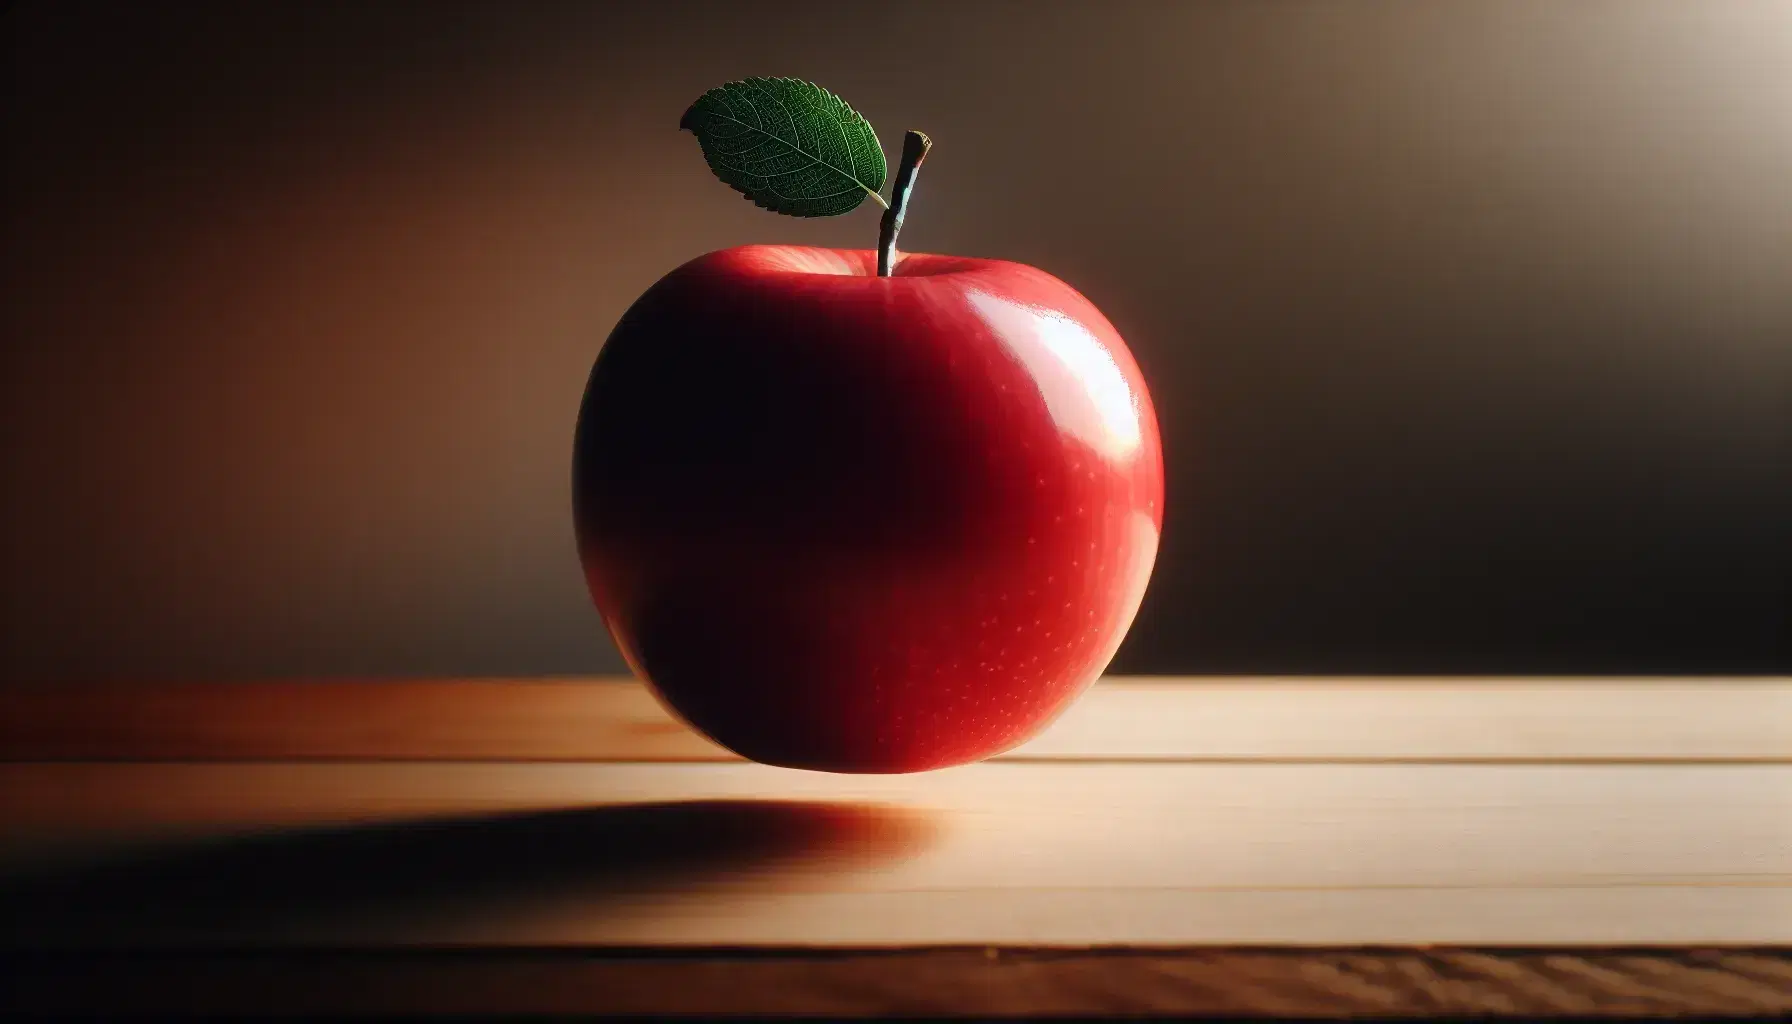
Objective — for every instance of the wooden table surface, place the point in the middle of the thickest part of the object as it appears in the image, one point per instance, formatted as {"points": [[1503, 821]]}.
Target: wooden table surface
{"points": [[1246, 846]]}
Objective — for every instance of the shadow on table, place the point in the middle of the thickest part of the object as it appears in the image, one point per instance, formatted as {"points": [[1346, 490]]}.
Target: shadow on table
{"points": [[286, 884]]}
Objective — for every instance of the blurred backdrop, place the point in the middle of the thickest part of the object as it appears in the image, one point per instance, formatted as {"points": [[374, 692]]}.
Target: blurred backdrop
{"points": [[1469, 323]]}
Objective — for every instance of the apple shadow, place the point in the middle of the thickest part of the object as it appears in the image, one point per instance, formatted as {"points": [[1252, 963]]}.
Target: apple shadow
{"points": [[296, 882]]}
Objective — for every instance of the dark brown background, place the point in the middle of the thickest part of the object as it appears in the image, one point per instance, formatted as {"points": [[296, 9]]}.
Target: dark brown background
{"points": [[1469, 323]]}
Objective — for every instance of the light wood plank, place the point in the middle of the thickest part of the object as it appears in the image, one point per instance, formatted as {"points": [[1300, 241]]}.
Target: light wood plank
{"points": [[1033, 853], [1428, 719], [1733, 720]]}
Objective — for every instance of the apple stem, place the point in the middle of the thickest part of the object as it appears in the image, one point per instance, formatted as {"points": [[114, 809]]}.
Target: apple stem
{"points": [[914, 150]]}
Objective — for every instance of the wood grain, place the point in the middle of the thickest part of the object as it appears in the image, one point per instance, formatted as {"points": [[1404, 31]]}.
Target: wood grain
{"points": [[1734, 720], [1040, 853], [960, 982], [1331, 847]]}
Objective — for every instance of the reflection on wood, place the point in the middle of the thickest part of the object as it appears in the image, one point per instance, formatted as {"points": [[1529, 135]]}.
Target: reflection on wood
{"points": [[1119, 719]]}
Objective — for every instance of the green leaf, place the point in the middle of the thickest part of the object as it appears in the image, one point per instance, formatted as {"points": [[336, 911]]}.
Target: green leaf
{"points": [[788, 145]]}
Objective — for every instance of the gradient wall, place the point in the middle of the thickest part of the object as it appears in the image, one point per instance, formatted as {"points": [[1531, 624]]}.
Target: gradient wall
{"points": [[1469, 324]]}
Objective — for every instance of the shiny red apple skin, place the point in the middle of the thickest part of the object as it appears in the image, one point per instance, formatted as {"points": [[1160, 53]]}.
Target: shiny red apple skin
{"points": [[859, 524]]}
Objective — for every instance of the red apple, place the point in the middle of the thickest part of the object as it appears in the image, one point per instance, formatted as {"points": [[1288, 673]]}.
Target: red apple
{"points": [[855, 523]]}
